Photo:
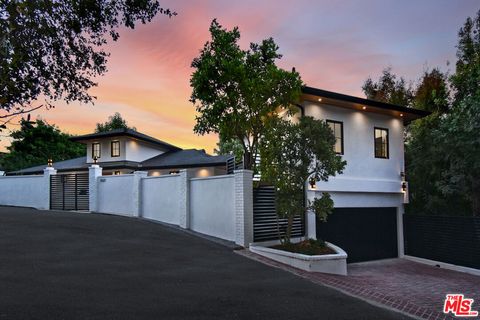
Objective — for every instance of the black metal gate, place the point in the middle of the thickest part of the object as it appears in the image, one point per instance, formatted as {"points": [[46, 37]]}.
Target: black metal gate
{"points": [[266, 224], [69, 191], [364, 233]]}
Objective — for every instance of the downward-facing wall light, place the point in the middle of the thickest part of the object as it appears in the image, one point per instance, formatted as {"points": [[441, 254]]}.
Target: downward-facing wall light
{"points": [[50, 162]]}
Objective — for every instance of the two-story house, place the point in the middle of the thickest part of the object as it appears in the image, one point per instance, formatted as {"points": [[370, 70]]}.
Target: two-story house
{"points": [[123, 151], [370, 194]]}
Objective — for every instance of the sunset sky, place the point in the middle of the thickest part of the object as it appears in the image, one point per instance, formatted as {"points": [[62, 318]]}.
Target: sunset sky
{"points": [[335, 45]]}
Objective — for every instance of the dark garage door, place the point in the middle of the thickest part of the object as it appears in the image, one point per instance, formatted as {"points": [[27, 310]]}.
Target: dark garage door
{"points": [[364, 233]]}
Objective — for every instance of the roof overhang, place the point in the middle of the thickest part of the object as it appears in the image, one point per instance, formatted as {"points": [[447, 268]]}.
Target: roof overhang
{"points": [[124, 133], [365, 105]]}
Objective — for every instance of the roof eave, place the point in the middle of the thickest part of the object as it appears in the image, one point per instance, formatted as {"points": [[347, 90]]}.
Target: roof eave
{"points": [[408, 114]]}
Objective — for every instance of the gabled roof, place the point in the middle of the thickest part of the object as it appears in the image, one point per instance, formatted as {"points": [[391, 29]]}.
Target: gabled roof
{"points": [[125, 132], [343, 100], [184, 158]]}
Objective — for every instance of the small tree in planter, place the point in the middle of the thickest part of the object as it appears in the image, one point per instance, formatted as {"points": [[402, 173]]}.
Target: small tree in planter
{"points": [[293, 153]]}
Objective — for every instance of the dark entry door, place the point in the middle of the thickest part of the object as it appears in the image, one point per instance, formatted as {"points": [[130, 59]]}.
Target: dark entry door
{"points": [[364, 233], [69, 191]]}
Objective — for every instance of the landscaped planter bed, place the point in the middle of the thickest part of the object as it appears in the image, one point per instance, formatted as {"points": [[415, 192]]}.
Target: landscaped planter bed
{"points": [[335, 263]]}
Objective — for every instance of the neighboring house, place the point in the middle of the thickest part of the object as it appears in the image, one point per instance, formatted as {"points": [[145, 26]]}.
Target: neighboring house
{"points": [[370, 194], [123, 151]]}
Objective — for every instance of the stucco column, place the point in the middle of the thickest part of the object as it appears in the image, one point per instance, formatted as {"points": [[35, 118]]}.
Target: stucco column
{"points": [[47, 172], [400, 238], [94, 171], [243, 207], [185, 176], [137, 192]]}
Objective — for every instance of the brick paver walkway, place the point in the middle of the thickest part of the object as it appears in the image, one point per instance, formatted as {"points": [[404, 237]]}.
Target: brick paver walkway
{"points": [[410, 287]]}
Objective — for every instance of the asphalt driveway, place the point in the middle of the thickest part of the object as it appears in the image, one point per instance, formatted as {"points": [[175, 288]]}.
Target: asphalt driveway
{"points": [[60, 265]]}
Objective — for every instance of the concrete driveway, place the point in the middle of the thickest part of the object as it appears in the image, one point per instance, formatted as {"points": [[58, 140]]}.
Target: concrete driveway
{"points": [[60, 265]]}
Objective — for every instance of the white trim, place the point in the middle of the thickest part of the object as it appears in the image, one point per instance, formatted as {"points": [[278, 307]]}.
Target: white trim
{"points": [[213, 177], [444, 265]]}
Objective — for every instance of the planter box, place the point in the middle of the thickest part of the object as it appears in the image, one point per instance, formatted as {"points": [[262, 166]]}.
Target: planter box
{"points": [[327, 263]]}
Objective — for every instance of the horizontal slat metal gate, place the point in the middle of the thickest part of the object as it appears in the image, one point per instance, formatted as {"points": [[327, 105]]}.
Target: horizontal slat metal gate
{"points": [[266, 224], [69, 191]]}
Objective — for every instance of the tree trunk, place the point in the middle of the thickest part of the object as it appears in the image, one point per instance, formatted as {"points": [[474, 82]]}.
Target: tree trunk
{"points": [[288, 233], [247, 160]]}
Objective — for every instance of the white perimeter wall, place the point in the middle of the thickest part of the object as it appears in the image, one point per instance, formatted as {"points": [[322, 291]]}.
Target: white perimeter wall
{"points": [[25, 191], [212, 206], [114, 194], [161, 198]]}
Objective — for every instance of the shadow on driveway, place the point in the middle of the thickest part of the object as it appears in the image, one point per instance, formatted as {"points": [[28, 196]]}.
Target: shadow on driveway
{"points": [[60, 265]]}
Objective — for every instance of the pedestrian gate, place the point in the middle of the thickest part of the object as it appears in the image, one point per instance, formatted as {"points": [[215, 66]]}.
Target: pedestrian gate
{"points": [[69, 191], [266, 224]]}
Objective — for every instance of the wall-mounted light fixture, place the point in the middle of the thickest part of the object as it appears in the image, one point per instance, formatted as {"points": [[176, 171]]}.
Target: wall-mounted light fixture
{"points": [[50, 162], [404, 186], [313, 183], [364, 108], [401, 114], [95, 159], [402, 175], [319, 99]]}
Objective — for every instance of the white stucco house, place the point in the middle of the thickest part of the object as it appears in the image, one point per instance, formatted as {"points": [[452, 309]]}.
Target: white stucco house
{"points": [[124, 151], [130, 173], [370, 194]]}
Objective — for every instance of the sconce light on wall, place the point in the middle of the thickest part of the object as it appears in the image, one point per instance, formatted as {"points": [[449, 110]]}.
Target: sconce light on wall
{"points": [[95, 159], [313, 183], [50, 162], [404, 186]]}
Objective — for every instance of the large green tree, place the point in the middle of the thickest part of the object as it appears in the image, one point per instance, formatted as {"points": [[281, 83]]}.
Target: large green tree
{"points": [[293, 153], [459, 131], [53, 49], [236, 90], [389, 89], [114, 121], [36, 142]]}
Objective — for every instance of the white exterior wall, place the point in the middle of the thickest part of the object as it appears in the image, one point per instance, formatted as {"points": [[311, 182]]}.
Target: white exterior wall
{"points": [[161, 198], [364, 172], [212, 206], [139, 151], [25, 191], [115, 194], [130, 150]]}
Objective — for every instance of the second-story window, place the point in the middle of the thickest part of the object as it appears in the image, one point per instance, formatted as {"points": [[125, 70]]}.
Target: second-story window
{"points": [[337, 129], [115, 146], [95, 150], [381, 143]]}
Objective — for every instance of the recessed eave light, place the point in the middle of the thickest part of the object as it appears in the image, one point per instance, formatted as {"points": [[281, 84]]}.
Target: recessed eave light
{"points": [[401, 114], [319, 99], [364, 108]]}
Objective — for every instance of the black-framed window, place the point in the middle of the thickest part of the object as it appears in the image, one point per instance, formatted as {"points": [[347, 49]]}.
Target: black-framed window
{"points": [[115, 148], [381, 143], [337, 129], [95, 150]]}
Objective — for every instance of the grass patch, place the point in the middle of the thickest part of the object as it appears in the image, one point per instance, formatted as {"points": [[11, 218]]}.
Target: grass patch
{"points": [[309, 247]]}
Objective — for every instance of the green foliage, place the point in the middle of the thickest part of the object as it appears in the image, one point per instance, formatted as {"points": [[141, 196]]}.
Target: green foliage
{"points": [[388, 89], [443, 149], [236, 90], [292, 153], [53, 49], [36, 142], [114, 122], [231, 147]]}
